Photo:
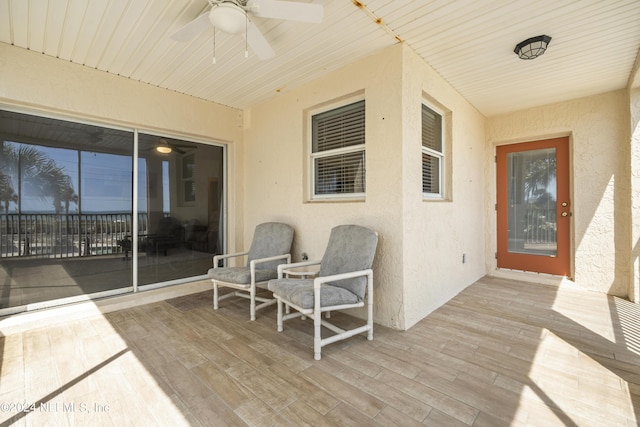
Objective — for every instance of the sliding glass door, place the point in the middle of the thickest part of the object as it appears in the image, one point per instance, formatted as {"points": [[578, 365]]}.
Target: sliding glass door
{"points": [[180, 192], [69, 227]]}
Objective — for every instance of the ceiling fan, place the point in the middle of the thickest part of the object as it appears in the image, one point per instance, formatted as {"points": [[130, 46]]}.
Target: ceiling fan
{"points": [[165, 147], [232, 17]]}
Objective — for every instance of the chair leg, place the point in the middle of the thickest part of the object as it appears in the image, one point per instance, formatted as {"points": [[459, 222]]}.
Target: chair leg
{"points": [[317, 337], [279, 321], [370, 306], [215, 296], [252, 309]]}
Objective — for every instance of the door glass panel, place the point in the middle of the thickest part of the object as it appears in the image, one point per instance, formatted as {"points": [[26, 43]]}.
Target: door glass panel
{"points": [[65, 209], [179, 208], [532, 202]]}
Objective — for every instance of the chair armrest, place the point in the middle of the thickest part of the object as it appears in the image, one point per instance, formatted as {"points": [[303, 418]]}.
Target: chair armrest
{"points": [[334, 278], [253, 263], [225, 256], [282, 267]]}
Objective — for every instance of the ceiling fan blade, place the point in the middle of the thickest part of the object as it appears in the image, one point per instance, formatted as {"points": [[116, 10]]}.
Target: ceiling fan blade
{"points": [[258, 43], [293, 11], [192, 29]]}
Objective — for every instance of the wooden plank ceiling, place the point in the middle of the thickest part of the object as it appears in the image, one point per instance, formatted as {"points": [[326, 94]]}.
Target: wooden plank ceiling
{"points": [[469, 42]]}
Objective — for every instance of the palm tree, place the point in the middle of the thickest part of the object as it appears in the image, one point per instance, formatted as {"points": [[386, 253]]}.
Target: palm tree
{"points": [[7, 193], [38, 171], [540, 217], [537, 176]]}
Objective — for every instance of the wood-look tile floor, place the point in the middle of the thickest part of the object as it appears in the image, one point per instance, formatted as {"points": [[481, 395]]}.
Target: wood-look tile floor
{"points": [[499, 353], [21, 278]]}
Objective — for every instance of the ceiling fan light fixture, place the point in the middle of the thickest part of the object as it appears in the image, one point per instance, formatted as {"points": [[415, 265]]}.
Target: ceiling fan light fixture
{"points": [[164, 149], [533, 47], [228, 17]]}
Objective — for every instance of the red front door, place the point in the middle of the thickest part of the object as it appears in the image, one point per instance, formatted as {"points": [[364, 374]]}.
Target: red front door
{"points": [[533, 206]]}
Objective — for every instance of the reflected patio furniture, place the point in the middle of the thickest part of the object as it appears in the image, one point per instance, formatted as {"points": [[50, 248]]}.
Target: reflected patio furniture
{"points": [[168, 234], [200, 237], [344, 281], [126, 245], [270, 248]]}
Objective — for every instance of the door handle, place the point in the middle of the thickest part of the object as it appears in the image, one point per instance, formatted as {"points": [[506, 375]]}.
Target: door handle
{"points": [[564, 214], [564, 204]]}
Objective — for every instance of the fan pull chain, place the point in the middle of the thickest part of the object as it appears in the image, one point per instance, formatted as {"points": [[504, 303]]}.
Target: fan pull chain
{"points": [[213, 61], [246, 36]]}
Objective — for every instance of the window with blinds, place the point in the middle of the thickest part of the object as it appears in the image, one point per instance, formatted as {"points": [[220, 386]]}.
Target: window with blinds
{"points": [[338, 153], [432, 153]]}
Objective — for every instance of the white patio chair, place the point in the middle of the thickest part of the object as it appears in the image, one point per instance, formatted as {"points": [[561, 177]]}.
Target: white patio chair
{"points": [[270, 247], [344, 280]]}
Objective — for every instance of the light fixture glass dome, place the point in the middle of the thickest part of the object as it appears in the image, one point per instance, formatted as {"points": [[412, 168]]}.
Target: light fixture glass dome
{"points": [[228, 17], [163, 147], [533, 47]]}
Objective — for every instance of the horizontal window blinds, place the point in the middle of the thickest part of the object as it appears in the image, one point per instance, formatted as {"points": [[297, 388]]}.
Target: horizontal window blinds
{"points": [[431, 151], [431, 129], [340, 174], [338, 150], [339, 128], [430, 174]]}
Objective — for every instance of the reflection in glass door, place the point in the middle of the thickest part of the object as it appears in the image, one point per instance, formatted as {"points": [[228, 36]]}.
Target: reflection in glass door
{"points": [[532, 202], [67, 225], [65, 210], [182, 227]]}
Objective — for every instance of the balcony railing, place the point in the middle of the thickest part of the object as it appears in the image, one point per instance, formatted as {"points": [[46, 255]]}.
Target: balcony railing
{"points": [[65, 236], [540, 226]]}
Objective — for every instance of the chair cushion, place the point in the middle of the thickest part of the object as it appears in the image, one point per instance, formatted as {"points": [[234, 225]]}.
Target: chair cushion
{"points": [[270, 239], [240, 275], [350, 248], [300, 293]]}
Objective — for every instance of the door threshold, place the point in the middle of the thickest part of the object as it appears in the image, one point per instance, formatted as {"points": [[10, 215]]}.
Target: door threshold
{"points": [[532, 277]]}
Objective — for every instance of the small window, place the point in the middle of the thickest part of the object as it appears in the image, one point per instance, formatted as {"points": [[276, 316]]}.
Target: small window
{"points": [[338, 152], [188, 167], [432, 153]]}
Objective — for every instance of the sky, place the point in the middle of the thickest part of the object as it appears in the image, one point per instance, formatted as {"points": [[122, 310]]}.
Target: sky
{"points": [[103, 182]]}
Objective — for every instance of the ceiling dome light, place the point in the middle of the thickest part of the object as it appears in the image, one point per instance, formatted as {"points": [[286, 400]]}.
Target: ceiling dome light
{"points": [[228, 17], [163, 147], [533, 47]]}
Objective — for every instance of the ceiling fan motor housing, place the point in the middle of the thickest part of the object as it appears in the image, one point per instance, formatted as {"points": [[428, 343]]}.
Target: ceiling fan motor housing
{"points": [[228, 17]]}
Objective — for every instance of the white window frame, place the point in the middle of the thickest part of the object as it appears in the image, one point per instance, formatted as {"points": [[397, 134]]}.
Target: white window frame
{"points": [[360, 148], [440, 155], [187, 177]]}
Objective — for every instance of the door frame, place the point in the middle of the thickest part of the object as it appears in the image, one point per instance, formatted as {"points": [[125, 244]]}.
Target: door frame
{"points": [[565, 250]]}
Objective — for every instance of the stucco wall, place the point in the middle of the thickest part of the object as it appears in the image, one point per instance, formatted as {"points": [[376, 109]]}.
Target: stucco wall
{"points": [[418, 265], [35, 82], [437, 234], [275, 161], [634, 129], [600, 181]]}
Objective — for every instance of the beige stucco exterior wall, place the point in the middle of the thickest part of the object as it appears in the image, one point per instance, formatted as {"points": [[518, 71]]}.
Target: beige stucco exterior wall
{"points": [[36, 83], [420, 242], [634, 129], [437, 234], [275, 160], [600, 181]]}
